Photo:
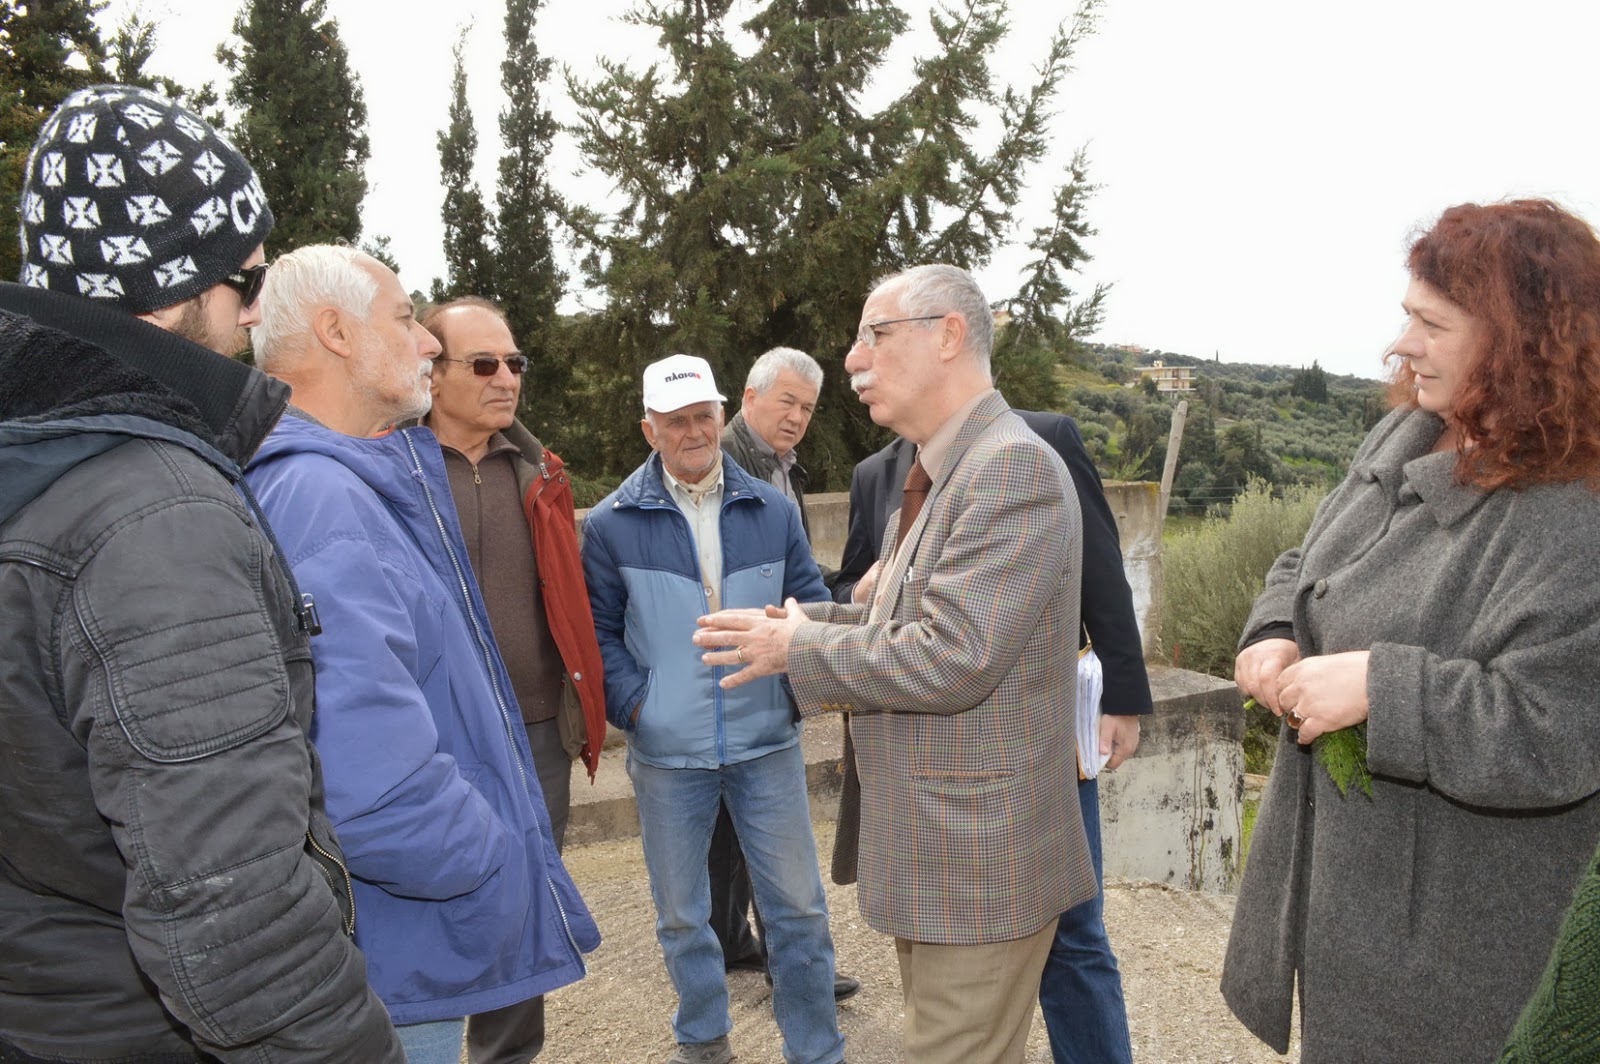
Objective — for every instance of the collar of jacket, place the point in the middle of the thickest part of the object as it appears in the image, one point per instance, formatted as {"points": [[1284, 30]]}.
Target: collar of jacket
{"points": [[755, 456], [124, 365], [981, 417], [645, 487], [1403, 460], [536, 466]]}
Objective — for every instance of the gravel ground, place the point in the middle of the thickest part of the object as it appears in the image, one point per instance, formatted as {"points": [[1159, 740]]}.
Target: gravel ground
{"points": [[1169, 944]]}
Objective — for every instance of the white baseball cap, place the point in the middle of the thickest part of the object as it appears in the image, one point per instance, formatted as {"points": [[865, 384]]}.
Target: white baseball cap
{"points": [[678, 381]]}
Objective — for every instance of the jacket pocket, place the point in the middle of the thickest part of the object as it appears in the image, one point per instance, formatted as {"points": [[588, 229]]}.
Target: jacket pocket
{"points": [[332, 867]]}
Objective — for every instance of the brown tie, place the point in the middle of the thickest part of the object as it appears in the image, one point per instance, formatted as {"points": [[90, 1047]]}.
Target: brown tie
{"points": [[915, 494]]}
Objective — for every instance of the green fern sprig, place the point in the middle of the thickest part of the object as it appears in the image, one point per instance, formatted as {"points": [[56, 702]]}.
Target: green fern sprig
{"points": [[1343, 754]]}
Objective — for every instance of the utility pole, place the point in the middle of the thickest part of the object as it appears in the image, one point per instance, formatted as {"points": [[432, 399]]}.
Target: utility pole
{"points": [[1174, 438]]}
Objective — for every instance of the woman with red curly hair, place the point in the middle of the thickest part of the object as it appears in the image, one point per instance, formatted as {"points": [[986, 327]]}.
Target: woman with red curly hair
{"points": [[1434, 649]]}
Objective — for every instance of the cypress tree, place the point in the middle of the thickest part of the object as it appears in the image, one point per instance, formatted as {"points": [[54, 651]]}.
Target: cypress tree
{"points": [[469, 260], [302, 119], [527, 281]]}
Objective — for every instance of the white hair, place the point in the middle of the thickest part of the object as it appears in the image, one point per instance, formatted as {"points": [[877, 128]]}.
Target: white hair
{"points": [[299, 282], [940, 289], [764, 374]]}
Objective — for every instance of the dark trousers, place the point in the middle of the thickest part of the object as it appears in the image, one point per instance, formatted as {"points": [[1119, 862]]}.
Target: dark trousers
{"points": [[732, 897], [1080, 991], [515, 1034]]}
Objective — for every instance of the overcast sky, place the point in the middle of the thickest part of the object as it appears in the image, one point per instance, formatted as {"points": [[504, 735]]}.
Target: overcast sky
{"points": [[1262, 161]]}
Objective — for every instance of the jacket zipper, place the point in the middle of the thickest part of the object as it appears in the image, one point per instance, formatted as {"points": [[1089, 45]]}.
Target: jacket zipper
{"points": [[488, 661], [716, 670], [349, 887]]}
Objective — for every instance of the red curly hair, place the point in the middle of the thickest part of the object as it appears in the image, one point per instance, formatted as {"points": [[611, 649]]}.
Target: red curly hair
{"points": [[1528, 273]]}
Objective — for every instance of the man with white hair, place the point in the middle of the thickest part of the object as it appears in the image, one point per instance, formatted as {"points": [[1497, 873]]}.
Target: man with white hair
{"points": [[957, 685], [687, 532], [465, 905], [780, 395]]}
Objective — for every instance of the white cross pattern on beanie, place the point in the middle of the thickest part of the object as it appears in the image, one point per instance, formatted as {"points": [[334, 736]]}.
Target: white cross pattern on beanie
{"points": [[81, 212], [35, 276], [209, 168], [100, 285], [56, 249], [124, 250], [98, 94], [53, 170], [192, 129], [147, 210], [143, 115], [81, 129], [210, 215], [175, 272], [105, 171], [159, 157], [33, 208]]}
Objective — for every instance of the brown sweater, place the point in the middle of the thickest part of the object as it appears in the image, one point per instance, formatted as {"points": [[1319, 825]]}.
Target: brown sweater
{"points": [[501, 550]]}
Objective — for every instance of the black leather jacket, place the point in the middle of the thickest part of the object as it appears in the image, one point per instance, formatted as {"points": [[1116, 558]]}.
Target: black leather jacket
{"points": [[170, 887]]}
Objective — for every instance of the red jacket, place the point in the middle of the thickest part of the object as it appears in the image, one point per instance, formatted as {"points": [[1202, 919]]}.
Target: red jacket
{"points": [[547, 502]]}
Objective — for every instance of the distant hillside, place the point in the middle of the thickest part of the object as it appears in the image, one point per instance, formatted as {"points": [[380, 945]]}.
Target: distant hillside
{"points": [[1278, 423]]}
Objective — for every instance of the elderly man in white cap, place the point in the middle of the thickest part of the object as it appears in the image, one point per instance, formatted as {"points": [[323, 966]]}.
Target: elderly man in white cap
{"points": [[687, 534]]}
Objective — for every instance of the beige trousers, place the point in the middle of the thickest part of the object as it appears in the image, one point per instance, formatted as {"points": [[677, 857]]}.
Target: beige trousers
{"points": [[971, 1004]]}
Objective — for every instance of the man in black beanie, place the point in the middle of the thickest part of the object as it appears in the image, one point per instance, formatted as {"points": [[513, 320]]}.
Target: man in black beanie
{"points": [[170, 887]]}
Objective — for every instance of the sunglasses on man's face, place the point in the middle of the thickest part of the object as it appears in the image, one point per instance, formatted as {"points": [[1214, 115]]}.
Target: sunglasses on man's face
{"points": [[247, 282], [488, 366]]}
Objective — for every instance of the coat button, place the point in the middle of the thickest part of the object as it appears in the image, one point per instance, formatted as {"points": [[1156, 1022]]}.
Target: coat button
{"points": [[577, 677], [1320, 588]]}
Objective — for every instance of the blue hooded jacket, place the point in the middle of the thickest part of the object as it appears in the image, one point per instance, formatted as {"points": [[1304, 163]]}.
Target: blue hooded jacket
{"points": [[643, 572], [465, 905]]}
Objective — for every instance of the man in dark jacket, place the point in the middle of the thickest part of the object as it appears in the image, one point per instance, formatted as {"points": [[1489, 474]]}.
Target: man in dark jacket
{"points": [[1080, 993], [170, 887], [515, 505], [780, 395]]}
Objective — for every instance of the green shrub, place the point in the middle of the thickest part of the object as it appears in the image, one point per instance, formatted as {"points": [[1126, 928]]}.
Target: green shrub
{"points": [[1211, 576]]}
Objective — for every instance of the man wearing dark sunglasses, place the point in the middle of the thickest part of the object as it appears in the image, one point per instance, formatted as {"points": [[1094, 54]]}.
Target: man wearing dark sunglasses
{"points": [[516, 511], [171, 886]]}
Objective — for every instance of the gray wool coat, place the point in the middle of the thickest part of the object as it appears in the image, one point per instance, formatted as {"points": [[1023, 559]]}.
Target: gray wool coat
{"points": [[1418, 922]]}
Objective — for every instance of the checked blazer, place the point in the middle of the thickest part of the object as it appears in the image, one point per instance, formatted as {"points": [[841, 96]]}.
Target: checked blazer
{"points": [[959, 688]]}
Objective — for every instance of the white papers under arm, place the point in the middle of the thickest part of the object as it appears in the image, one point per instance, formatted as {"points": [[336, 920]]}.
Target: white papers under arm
{"points": [[1090, 683]]}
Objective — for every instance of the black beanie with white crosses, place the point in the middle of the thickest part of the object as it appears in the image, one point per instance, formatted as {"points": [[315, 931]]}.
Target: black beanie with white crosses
{"points": [[132, 199]]}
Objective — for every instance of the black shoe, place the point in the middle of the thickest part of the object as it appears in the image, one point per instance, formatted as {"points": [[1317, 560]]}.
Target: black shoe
{"points": [[845, 987], [750, 962]]}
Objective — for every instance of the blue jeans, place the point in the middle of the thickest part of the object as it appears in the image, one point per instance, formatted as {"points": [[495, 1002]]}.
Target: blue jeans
{"points": [[1080, 992], [438, 1042], [766, 797]]}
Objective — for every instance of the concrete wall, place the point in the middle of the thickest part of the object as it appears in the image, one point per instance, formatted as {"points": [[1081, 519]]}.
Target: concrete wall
{"points": [[1174, 814]]}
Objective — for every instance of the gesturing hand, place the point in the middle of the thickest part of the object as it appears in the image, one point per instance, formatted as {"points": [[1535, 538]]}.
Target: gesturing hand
{"points": [[755, 639]]}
